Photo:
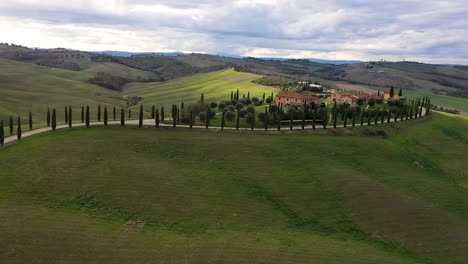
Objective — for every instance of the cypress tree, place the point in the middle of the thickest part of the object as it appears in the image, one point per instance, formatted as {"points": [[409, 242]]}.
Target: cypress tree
{"points": [[407, 112], [421, 108], [278, 118], [11, 125], [70, 116], [30, 121], [156, 115], [303, 116], [48, 117], [207, 120], [428, 106], [178, 115], [248, 94], [382, 117], [87, 116], [18, 132], [129, 114], [354, 118], [222, 119], [238, 118], [2, 133], [153, 110], [368, 118], [400, 93], [362, 117], [140, 117], [162, 113], [54, 119], [345, 118], [202, 97], [411, 109], [122, 117], [266, 119], [82, 114], [106, 118], [253, 122], [237, 94], [314, 118], [377, 113], [290, 120], [66, 115], [114, 114], [174, 118], [263, 97], [232, 95], [392, 92], [335, 117], [325, 118], [191, 119], [182, 106]]}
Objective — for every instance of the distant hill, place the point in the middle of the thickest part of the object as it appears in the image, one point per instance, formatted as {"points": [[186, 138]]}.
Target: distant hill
{"points": [[427, 79], [129, 54]]}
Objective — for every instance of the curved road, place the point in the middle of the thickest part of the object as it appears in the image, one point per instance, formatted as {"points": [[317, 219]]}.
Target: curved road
{"points": [[152, 122]]}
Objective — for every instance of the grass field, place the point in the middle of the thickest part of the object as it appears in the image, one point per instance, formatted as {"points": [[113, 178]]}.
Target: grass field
{"points": [[215, 86], [126, 195], [28, 87]]}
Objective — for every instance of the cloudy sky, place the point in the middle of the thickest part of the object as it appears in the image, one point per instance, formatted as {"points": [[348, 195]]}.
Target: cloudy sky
{"points": [[420, 30]]}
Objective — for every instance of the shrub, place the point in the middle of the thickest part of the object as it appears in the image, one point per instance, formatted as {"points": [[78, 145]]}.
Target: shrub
{"points": [[230, 115], [239, 106], [261, 116], [202, 116], [255, 100], [371, 102], [213, 104], [251, 109], [269, 99], [243, 112], [258, 103], [360, 102], [249, 118], [231, 108], [222, 106]]}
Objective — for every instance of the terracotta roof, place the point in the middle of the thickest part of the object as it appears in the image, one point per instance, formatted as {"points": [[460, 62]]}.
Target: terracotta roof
{"points": [[295, 95]]}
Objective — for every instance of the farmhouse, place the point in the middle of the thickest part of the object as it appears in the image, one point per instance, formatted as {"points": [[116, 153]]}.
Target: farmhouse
{"points": [[342, 98], [288, 98]]}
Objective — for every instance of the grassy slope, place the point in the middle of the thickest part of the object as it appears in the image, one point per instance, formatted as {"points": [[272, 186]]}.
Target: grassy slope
{"points": [[215, 85], [145, 195], [27, 87]]}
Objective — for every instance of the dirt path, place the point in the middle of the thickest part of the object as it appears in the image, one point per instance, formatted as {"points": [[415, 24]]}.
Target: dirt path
{"points": [[152, 122]]}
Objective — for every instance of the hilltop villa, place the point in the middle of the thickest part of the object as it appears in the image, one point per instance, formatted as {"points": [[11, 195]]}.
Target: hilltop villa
{"points": [[287, 98]]}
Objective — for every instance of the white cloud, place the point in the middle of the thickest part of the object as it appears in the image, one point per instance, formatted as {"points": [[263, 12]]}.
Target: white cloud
{"points": [[435, 31]]}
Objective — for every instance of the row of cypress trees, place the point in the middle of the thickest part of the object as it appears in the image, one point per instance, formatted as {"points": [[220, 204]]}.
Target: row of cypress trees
{"points": [[415, 111]]}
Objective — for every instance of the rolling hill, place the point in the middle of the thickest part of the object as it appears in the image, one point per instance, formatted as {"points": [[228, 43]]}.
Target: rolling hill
{"points": [[169, 196]]}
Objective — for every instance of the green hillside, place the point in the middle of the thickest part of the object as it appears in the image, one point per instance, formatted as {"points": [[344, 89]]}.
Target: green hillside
{"points": [[215, 86], [126, 195], [27, 87]]}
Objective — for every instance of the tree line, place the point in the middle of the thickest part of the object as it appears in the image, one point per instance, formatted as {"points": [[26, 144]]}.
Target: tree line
{"points": [[234, 110]]}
